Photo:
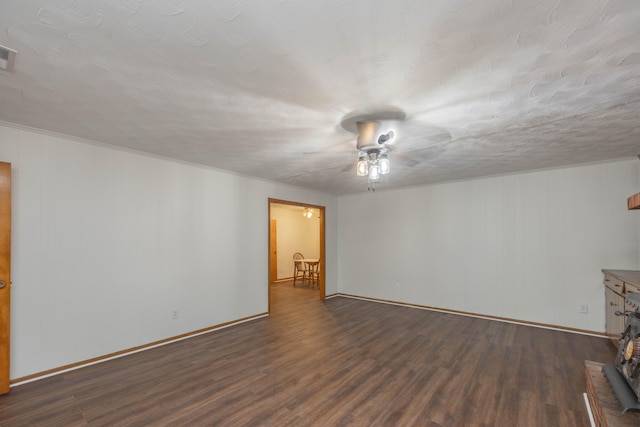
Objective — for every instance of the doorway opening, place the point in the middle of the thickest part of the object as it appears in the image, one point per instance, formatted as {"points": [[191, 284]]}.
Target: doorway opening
{"points": [[283, 242]]}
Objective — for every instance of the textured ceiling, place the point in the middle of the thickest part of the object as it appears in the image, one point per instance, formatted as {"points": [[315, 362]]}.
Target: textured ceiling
{"points": [[261, 87]]}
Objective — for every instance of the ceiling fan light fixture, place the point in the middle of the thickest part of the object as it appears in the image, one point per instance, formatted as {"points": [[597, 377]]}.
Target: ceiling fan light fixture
{"points": [[373, 163], [376, 133]]}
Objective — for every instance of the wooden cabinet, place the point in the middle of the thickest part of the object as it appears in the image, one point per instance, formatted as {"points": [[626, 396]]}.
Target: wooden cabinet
{"points": [[617, 283], [614, 325]]}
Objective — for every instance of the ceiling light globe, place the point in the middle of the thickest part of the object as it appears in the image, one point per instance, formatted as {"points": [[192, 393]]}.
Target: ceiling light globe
{"points": [[374, 172], [384, 165], [362, 168]]}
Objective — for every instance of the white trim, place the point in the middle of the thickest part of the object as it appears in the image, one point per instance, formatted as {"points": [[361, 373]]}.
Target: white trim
{"points": [[588, 405]]}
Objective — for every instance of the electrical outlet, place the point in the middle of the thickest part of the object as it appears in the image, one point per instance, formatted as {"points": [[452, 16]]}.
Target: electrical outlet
{"points": [[397, 285], [584, 308], [175, 314]]}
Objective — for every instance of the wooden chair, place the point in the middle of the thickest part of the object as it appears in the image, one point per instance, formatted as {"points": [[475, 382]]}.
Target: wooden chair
{"points": [[298, 268], [314, 274]]}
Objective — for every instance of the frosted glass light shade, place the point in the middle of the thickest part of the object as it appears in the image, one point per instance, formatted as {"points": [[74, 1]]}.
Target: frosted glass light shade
{"points": [[362, 168], [383, 162], [374, 172]]}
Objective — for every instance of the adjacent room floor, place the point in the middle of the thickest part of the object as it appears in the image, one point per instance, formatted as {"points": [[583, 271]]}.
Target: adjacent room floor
{"points": [[338, 362]]}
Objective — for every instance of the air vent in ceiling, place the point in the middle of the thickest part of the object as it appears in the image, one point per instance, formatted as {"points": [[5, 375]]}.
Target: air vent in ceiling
{"points": [[7, 58]]}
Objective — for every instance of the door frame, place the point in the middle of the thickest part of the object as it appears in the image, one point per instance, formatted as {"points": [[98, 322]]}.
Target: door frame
{"points": [[5, 275], [321, 283], [273, 251]]}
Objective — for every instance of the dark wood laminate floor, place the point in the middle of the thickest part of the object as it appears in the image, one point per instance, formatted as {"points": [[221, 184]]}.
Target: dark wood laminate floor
{"points": [[334, 363]]}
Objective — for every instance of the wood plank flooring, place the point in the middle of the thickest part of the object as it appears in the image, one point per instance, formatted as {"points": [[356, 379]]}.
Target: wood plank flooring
{"points": [[334, 363]]}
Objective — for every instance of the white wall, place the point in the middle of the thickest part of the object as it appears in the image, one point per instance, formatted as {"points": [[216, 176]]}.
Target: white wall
{"points": [[528, 246], [106, 243], [295, 233]]}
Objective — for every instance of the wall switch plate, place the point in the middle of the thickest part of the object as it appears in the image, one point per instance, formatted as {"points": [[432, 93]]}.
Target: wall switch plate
{"points": [[584, 308], [175, 314]]}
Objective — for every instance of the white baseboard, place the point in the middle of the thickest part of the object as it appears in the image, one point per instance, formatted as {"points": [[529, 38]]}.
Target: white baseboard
{"points": [[588, 405]]}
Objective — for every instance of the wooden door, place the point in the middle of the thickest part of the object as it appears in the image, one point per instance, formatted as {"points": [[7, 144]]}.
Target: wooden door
{"points": [[273, 252], [5, 276]]}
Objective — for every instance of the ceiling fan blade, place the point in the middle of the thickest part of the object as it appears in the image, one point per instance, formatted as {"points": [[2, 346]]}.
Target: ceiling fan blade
{"points": [[411, 157], [432, 133], [344, 145], [403, 161], [350, 167]]}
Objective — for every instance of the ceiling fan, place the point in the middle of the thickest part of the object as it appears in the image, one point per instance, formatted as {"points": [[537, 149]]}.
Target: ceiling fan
{"points": [[377, 134]]}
